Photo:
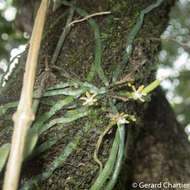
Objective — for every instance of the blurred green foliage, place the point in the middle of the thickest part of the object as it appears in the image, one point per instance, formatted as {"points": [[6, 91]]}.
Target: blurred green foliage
{"points": [[183, 90], [178, 30], [10, 37], [175, 57]]}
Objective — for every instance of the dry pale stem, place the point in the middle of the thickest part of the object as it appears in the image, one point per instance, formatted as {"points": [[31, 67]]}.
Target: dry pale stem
{"points": [[98, 145], [24, 116], [87, 17]]}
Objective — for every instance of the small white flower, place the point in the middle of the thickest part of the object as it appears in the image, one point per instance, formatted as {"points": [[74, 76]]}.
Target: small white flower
{"points": [[89, 100], [138, 94], [121, 120]]}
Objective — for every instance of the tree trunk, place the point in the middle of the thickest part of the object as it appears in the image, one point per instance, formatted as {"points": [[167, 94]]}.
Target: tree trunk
{"points": [[158, 149], [160, 154]]}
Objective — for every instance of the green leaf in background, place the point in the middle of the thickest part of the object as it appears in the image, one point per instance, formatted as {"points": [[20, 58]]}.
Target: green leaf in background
{"points": [[4, 152], [58, 106], [152, 86], [62, 120], [31, 140], [98, 50], [67, 92], [5, 107], [58, 161]]}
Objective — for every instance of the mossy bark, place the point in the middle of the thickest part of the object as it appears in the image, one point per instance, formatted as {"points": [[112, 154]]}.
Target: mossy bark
{"points": [[158, 150], [160, 153]]}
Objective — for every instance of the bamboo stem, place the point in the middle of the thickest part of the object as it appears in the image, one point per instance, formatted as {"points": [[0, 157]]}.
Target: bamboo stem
{"points": [[24, 116]]}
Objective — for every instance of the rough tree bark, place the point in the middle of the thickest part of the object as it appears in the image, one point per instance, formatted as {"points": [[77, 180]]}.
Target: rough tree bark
{"points": [[158, 149]]}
